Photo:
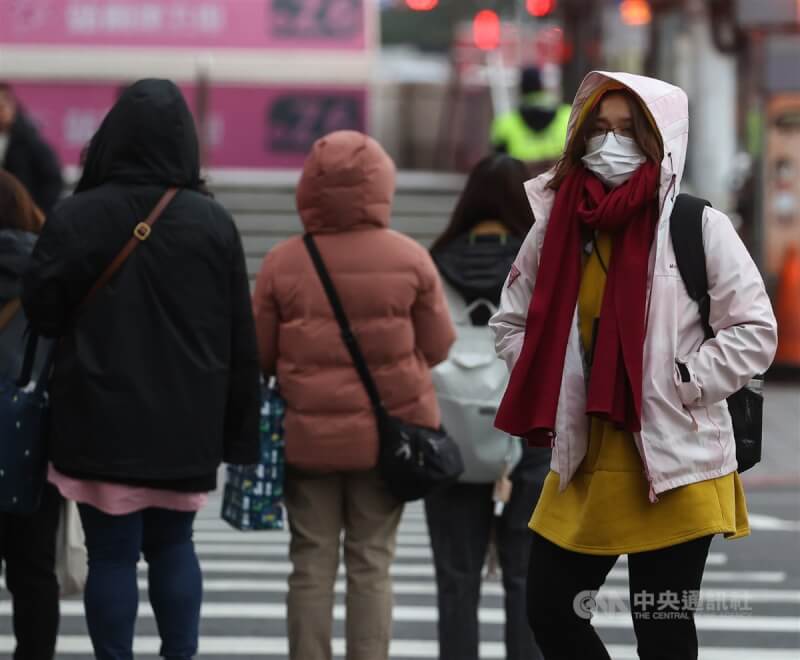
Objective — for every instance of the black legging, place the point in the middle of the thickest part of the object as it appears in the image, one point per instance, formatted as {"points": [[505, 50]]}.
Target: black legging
{"points": [[557, 576], [28, 547]]}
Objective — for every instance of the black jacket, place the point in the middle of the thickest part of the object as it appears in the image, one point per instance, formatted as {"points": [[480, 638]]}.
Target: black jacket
{"points": [[34, 163], [156, 381], [477, 267], [15, 250]]}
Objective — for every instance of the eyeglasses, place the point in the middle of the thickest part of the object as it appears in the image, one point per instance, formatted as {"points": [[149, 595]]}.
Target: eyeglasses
{"points": [[619, 132]]}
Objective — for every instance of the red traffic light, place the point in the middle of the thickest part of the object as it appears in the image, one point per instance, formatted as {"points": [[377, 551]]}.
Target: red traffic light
{"points": [[540, 8], [486, 29], [635, 12], [421, 5]]}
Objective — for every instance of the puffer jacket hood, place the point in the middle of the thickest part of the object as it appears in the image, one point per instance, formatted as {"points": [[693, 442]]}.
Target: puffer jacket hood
{"points": [[348, 183], [147, 138]]}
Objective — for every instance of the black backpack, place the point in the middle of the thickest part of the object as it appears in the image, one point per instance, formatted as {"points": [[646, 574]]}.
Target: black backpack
{"points": [[745, 406]]}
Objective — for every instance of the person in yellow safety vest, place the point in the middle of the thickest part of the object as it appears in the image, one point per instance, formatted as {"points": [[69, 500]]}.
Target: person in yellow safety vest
{"points": [[537, 130]]}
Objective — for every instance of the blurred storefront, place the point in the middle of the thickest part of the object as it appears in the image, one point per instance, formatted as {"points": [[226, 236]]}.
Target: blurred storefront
{"points": [[264, 78], [772, 28]]}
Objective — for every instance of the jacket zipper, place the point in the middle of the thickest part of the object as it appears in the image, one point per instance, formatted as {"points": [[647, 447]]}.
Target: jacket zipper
{"points": [[670, 189]]}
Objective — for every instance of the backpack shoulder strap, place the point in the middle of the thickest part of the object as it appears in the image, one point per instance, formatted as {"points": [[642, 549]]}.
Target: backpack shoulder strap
{"points": [[686, 232]]}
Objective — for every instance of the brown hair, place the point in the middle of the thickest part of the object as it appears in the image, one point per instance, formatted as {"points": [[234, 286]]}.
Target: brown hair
{"points": [[17, 209], [644, 132], [494, 191]]}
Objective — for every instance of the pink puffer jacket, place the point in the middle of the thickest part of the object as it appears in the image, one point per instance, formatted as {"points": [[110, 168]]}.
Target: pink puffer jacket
{"points": [[390, 291]]}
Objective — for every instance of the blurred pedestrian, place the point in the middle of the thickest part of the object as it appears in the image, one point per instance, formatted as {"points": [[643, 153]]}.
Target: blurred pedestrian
{"points": [[156, 378], [27, 543], [474, 255], [536, 130], [632, 396], [394, 301], [25, 154]]}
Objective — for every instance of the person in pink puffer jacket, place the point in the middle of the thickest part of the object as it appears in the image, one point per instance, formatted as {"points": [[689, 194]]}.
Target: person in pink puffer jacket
{"points": [[393, 298]]}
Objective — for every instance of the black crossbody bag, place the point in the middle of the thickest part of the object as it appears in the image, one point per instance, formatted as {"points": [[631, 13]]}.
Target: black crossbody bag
{"points": [[412, 460], [745, 406]]}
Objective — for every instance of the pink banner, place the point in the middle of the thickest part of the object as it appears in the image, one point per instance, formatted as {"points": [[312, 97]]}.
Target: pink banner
{"points": [[250, 127], [336, 24]]}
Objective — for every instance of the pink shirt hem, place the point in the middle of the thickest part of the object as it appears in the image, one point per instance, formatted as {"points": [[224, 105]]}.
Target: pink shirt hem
{"points": [[119, 499]]}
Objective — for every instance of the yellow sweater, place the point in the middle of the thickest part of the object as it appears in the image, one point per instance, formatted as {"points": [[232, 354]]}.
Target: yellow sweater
{"points": [[605, 509]]}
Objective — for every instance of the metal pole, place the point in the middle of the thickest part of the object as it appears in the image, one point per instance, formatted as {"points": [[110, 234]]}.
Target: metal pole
{"points": [[520, 21]]}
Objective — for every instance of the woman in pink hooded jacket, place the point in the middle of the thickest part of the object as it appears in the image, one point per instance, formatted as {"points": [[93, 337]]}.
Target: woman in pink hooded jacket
{"points": [[612, 368], [393, 298]]}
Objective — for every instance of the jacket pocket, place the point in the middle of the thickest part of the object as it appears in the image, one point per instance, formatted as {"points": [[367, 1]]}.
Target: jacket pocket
{"points": [[689, 391]]}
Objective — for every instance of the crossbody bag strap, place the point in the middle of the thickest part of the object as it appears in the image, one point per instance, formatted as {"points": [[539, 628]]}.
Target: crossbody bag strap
{"points": [[348, 337], [9, 311], [140, 234]]}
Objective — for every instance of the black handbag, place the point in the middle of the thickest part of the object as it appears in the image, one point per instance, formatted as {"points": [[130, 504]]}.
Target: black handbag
{"points": [[412, 460], [745, 406]]}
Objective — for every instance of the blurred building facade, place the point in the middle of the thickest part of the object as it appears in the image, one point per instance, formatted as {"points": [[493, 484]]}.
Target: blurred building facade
{"points": [[266, 78]]}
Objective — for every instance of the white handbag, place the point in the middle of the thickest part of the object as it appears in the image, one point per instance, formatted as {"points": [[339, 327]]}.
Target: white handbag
{"points": [[71, 558]]}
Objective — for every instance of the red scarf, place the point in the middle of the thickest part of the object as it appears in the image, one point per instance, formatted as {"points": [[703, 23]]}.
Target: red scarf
{"points": [[630, 213]]}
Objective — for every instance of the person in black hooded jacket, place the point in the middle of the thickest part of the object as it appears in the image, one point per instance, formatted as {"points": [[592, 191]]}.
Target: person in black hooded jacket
{"points": [[27, 543], [156, 379], [26, 155], [474, 256]]}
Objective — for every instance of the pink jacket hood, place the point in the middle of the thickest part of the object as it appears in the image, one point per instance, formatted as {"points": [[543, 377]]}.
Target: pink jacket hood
{"points": [[348, 182], [668, 106]]}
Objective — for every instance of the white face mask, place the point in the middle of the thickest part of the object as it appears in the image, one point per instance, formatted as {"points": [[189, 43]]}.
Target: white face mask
{"points": [[612, 158]]}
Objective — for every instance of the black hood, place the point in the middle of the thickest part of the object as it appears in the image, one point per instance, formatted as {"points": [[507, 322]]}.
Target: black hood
{"points": [[147, 138], [477, 266], [15, 250]]}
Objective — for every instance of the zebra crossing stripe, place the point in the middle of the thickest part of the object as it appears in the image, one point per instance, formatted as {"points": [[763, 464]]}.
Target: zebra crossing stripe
{"points": [[493, 589], [280, 549], [429, 613], [240, 566], [223, 647], [488, 589]]}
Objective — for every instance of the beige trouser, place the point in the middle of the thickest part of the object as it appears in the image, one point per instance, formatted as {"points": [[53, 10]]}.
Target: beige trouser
{"points": [[320, 508]]}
